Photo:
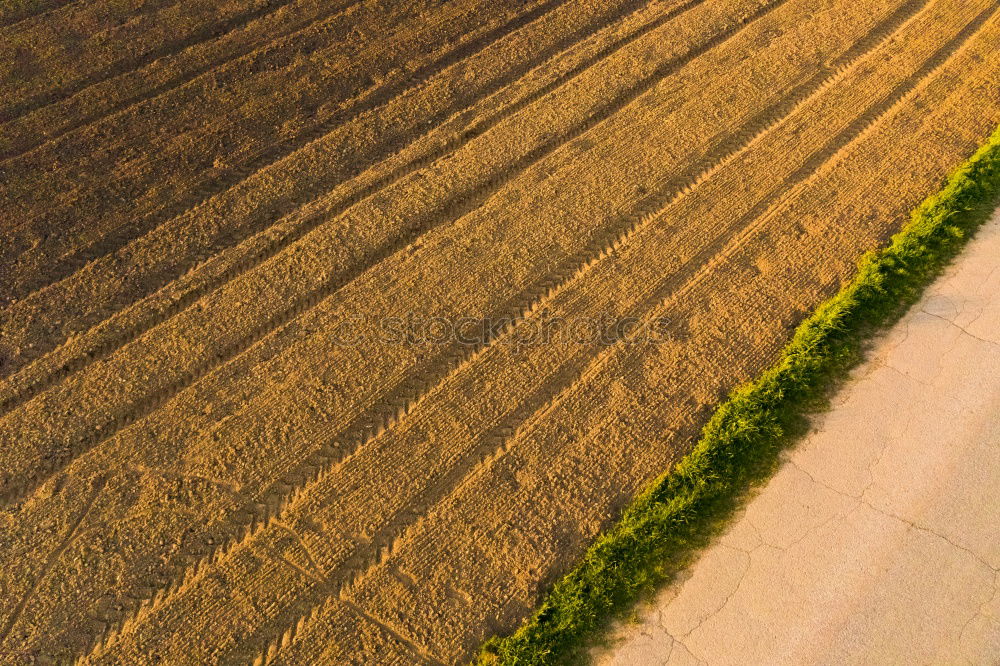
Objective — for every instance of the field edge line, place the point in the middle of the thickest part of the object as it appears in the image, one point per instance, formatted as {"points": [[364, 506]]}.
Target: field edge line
{"points": [[661, 530]]}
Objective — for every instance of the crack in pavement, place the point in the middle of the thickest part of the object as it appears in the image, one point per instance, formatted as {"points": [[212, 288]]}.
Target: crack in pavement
{"points": [[962, 329], [981, 611], [889, 514], [725, 602]]}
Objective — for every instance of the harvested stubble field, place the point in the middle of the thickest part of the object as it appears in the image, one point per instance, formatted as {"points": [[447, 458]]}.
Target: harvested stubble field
{"points": [[209, 451]]}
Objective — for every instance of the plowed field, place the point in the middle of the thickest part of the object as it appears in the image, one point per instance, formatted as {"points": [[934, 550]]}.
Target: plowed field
{"points": [[333, 332]]}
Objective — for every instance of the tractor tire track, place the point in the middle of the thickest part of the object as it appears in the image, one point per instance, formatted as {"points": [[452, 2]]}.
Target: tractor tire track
{"points": [[454, 208], [296, 29], [219, 180], [205, 33], [310, 221]]}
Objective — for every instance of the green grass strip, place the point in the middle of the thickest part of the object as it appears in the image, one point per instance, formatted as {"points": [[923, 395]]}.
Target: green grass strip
{"points": [[663, 528]]}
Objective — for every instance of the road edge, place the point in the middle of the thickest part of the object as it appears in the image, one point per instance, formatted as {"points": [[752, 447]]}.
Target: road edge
{"points": [[662, 529]]}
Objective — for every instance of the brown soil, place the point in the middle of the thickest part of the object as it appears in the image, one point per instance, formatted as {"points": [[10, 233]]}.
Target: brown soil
{"points": [[200, 197]]}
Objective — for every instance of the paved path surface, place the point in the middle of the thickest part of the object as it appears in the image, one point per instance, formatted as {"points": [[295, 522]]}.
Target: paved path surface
{"points": [[878, 542]]}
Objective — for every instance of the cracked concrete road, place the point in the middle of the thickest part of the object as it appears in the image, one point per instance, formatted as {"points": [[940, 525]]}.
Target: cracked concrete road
{"points": [[878, 541]]}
